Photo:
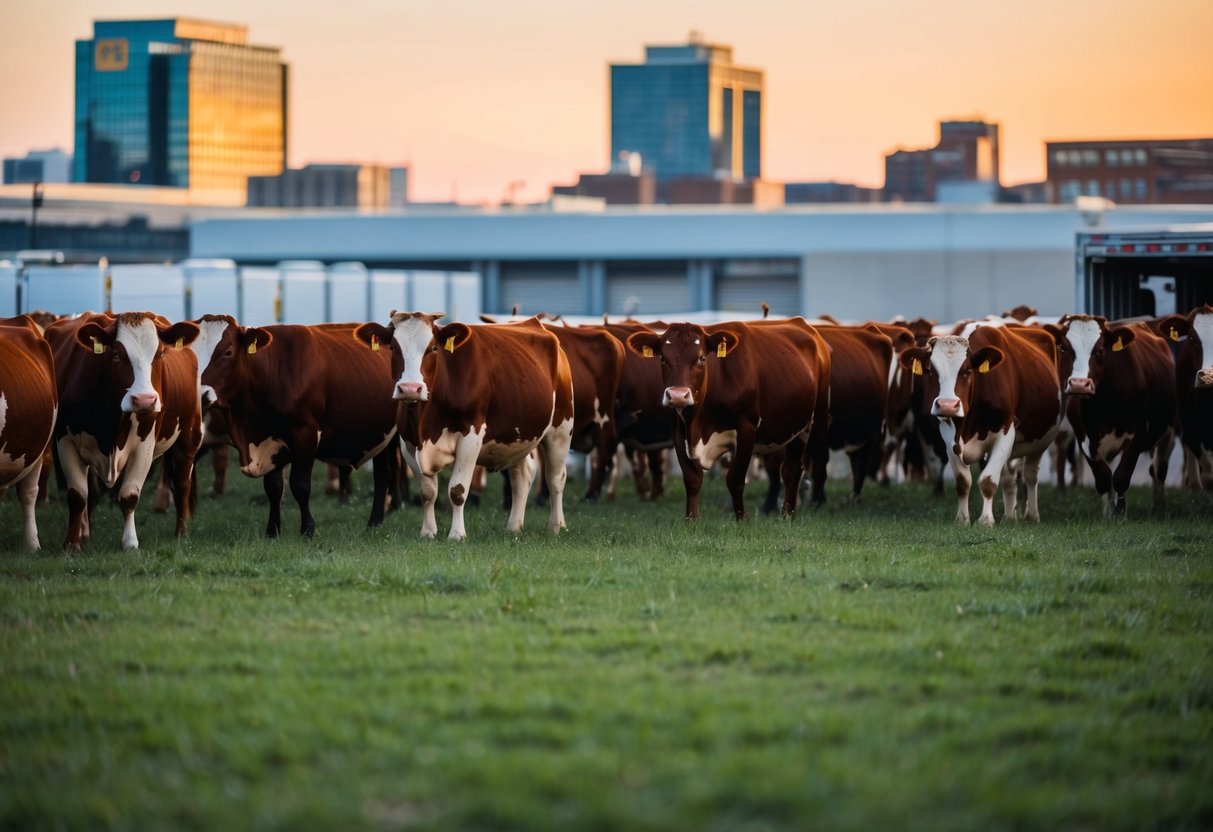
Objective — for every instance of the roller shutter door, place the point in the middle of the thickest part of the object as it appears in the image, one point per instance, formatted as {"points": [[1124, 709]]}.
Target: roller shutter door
{"points": [[648, 291], [541, 287], [747, 294]]}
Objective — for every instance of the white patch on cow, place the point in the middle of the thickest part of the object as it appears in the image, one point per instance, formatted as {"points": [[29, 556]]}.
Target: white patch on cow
{"points": [[209, 335], [432, 457], [1111, 444], [601, 417], [973, 326], [11, 467], [948, 356], [1202, 327], [142, 342], [413, 335], [1083, 336], [163, 445], [705, 453], [261, 457]]}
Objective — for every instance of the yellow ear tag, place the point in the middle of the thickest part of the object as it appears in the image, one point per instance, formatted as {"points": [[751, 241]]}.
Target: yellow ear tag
{"points": [[252, 348], [374, 343], [916, 367], [98, 347], [1119, 345], [984, 368], [721, 350], [647, 352], [450, 344], [1174, 334], [179, 345]]}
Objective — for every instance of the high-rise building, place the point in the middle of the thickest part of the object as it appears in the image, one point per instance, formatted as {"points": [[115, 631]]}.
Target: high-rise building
{"points": [[325, 186], [689, 111], [38, 166], [962, 166], [179, 103], [1175, 171]]}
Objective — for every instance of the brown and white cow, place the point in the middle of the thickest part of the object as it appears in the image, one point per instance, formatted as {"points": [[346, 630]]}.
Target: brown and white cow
{"points": [[128, 392], [743, 388], [28, 404], [479, 395], [294, 394], [1192, 338], [1121, 401], [997, 397]]}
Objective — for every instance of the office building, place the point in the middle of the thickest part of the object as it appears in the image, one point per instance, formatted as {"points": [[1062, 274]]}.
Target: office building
{"points": [[963, 166], [818, 193], [326, 186], [180, 103], [689, 111], [1163, 172], [38, 166]]}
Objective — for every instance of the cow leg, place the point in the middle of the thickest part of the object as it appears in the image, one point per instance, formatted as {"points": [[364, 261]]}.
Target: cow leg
{"points": [[219, 463], [133, 476], [657, 473], [553, 453], [773, 463], [164, 494], [429, 491], [1009, 483], [600, 464], [520, 485], [1031, 478], [964, 477], [692, 474], [44, 475], [1158, 470], [817, 476], [996, 461], [272, 482], [180, 462], [27, 493], [301, 490], [76, 475], [467, 451], [860, 459], [383, 471], [1102, 473], [792, 472]]}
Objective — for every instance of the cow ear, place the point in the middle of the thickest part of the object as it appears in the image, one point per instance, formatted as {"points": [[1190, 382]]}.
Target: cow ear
{"points": [[373, 335], [986, 359], [95, 338], [1118, 337], [914, 359], [722, 343], [1173, 327], [645, 344], [488, 319], [1058, 333], [434, 317], [255, 338], [452, 336], [179, 335]]}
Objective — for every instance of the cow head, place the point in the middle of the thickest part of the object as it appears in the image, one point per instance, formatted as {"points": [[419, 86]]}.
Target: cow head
{"points": [[134, 343], [1196, 330], [1084, 343], [685, 352], [224, 350], [414, 341], [948, 366]]}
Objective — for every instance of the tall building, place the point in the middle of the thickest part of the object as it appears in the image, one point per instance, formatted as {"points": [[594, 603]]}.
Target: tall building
{"points": [[38, 166], [325, 186], [180, 103], [689, 111], [963, 166], [1170, 172]]}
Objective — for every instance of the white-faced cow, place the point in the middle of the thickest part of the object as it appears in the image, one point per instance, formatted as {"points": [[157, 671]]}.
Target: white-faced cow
{"points": [[128, 392], [1120, 393], [28, 404], [997, 398], [1192, 338], [291, 395], [485, 395], [745, 389]]}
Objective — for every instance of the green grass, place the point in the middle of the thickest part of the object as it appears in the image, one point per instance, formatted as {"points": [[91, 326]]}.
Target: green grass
{"points": [[861, 667]]}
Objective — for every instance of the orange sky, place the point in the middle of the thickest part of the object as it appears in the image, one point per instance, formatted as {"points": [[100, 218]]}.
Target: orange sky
{"points": [[479, 93]]}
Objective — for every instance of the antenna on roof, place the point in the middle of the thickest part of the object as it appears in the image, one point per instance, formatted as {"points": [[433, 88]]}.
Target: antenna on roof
{"points": [[766, 310]]}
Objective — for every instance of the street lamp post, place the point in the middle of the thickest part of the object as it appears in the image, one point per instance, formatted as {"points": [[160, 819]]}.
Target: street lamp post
{"points": [[35, 204]]}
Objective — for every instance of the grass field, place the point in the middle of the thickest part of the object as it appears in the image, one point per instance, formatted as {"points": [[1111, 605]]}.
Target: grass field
{"points": [[861, 667]]}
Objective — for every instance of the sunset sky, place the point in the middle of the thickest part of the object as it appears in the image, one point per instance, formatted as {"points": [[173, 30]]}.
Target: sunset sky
{"points": [[476, 94]]}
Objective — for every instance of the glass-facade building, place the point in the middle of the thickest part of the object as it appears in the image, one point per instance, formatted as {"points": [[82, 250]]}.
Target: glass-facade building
{"points": [[689, 111], [178, 103]]}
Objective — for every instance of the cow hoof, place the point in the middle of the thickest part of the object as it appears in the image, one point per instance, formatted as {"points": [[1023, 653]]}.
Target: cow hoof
{"points": [[427, 535], [986, 522], [458, 538]]}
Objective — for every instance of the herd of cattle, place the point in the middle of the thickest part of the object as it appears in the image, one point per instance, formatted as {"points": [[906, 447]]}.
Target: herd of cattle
{"points": [[101, 396]]}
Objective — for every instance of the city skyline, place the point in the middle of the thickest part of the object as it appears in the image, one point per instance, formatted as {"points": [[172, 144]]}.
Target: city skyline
{"points": [[520, 93]]}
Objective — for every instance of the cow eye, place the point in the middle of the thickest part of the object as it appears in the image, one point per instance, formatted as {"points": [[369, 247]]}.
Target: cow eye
{"points": [[703, 359], [229, 352]]}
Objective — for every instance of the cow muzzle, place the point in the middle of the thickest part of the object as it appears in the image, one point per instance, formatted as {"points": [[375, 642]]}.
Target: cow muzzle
{"points": [[947, 408], [1204, 378], [678, 397], [144, 402], [1080, 387], [409, 391]]}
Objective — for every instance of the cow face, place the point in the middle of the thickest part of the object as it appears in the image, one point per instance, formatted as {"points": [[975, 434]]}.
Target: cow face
{"points": [[1085, 346], [948, 367], [224, 357], [414, 343], [134, 343], [685, 352], [1197, 329]]}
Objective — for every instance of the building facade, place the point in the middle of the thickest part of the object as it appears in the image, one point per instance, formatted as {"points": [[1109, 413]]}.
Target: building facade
{"points": [[689, 111], [1163, 172], [325, 186], [180, 103], [966, 158], [38, 166]]}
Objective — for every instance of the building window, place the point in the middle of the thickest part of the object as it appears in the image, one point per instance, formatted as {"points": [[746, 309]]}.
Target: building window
{"points": [[1092, 187], [1126, 156], [1090, 157], [1061, 158], [1141, 156], [1140, 188], [1070, 189], [1111, 157], [1126, 189]]}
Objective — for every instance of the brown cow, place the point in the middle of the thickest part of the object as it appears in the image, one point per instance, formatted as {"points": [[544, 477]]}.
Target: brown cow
{"points": [[1120, 401], [128, 392], [28, 404], [1192, 337], [743, 388], [996, 397], [295, 394], [485, 395]]}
